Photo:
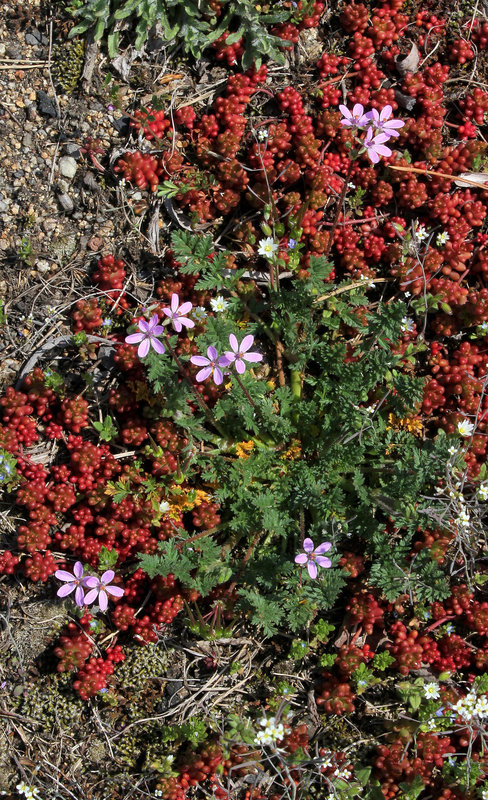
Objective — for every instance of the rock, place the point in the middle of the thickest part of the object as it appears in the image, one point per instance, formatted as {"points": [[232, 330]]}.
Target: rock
{"points": [[121, 125], [45, 104], [27, 140], [33, 37], [31, 112], [66, 203], [72, 149], [67, 166]]}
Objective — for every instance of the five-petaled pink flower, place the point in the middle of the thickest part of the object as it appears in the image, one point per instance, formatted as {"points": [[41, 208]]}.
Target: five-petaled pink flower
{"points": [[355, 118], [239, 354], [375, 146], [311, 557], [147, 336], [382, 123], [177, 313], [73, 583], [211, 366], [99, 587]]}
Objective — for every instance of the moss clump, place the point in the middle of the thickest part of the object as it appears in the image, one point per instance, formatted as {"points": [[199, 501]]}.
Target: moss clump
{"points": [[68, 64], [140, 666], [52, 701]]}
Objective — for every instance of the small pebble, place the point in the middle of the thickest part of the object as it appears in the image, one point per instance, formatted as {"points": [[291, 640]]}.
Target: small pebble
{"points": [[67, 166]]}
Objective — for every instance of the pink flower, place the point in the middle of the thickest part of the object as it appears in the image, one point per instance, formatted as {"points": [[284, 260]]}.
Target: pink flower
{"points": [[382, 123], [374, 145], [177, 314], [355, 118], [74, 583], [313, 557], [99, 587], [147, 336], [211, 366], [239, 353]]}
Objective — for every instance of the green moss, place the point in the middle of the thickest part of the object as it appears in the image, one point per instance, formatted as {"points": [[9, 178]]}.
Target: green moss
{"points": [[52, 701], [68, 64]]}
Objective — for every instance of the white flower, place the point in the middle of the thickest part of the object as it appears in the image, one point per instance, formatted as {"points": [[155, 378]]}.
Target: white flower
{"points": [[484, 794], [483, 492], [465, 427], [164, 506], [327, 761], [421, 233], [351, 185], [262, 134], [407, 325], [272, 731], [219, 303], [431, 691], [407, 294], [462, 519], [481, 707], [442, 238], [369, 281], [452, 450], [199, 313], [267, 247]]}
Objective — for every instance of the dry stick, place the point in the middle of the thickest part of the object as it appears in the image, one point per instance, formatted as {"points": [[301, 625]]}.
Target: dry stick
{"points": [[349, 286], [439, 175], [201, 402]]}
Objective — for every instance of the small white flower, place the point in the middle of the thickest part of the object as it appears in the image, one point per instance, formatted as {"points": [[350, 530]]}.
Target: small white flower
{"points": [[483, 492], [407, 325], [327, 761], [462, 519], [481, 707], [407, 294], [431, 691], [432, 724], [442, 238], [262, 134], [465, 427], [484, 794], [219, 303], [421, 233], [351, 185], [452, 450], [367, 280], [164, 506], [271, 733], [267, 247], [199, 313]]}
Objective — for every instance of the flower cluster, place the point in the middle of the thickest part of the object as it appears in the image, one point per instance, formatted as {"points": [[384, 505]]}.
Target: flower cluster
{"points": [[30, 792], [272, 731], [99, 587], [471, 707], [378, 126]]}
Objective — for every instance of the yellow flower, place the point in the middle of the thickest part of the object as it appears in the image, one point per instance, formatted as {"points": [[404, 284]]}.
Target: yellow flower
{"points": [[243, 449], [293, 452], [406, 424]]}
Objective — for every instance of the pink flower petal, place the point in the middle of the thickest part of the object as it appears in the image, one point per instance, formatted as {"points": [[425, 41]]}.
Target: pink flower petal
{"points": [[175, 301], [385, 113], [345, 112], [382, 150], [312, 569], [168, 312], [373, 156], [78, 570], [308, 545], [177, 325], [218, 377], [200, 361], [233, 343], [253, 356], [103, 600], [323, 548], [91, 596], [63, 591], [157, 330], [79, 597], [246, 343], [134, 338], [153, 322], [143, 348], [187, 322], [92, 582], [107, 576], [323, 561], [116, 591], [185, 308], [144, 326], [203, 374], [301, 558], [157, 346], [212, 352], [62, 575], [357, 110], [240, 366], [231, 357]]}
